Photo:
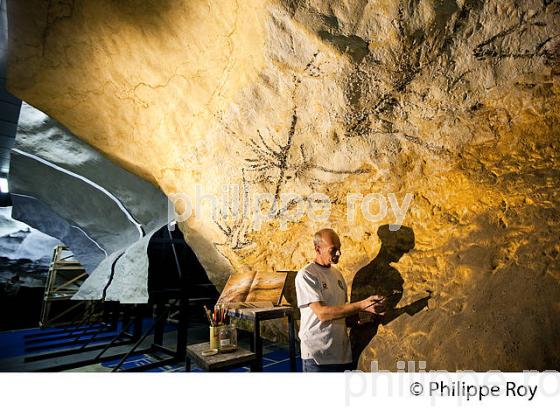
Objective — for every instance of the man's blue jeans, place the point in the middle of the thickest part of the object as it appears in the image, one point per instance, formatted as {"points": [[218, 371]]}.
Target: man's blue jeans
{"points": [[309, 365]]}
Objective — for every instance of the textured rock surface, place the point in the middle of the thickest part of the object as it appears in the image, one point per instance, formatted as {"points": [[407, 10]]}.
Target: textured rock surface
{"points": [[24, 251], [455, 102], [96, 208], [37, 214]]}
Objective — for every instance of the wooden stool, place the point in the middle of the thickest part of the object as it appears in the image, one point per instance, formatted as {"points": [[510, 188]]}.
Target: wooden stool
{"points": [[219, 362]]}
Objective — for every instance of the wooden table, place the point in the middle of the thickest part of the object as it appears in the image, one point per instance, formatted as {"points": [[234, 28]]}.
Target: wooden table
{"points": [[257, 315], [219, 362]]}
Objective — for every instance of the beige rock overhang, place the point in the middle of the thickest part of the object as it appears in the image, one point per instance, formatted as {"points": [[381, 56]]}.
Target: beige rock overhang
{"points": [[453, 102]]}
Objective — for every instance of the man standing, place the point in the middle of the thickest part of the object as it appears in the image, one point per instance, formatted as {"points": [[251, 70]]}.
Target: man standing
{"points": [[321, 296]]}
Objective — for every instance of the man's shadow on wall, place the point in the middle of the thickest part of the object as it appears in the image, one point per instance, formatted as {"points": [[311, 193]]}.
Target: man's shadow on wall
{"points": [[378, 277]]}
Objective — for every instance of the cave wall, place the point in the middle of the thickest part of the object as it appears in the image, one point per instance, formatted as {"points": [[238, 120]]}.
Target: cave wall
{"points": [[453, 102]]}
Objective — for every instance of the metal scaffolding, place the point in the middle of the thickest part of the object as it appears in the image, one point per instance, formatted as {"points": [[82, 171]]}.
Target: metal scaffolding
{"points": [[65, 277]]}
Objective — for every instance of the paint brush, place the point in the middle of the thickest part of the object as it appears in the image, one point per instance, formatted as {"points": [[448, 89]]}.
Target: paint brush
{"points": [[395, 292], [375, 303], [208, 315]]}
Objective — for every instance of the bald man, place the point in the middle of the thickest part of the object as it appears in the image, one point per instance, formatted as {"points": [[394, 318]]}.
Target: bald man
{"points": [[321, 297]]}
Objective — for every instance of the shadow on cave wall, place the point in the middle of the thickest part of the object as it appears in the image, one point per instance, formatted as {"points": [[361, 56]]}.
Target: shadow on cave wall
{"points": [[378, 277], [148, 15]]}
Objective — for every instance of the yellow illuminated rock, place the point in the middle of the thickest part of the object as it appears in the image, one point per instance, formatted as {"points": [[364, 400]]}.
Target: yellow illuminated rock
{"points": [[455, 103]]}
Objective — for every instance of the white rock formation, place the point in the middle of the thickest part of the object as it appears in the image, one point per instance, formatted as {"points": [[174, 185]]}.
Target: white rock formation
{"points": [[98, 215]]}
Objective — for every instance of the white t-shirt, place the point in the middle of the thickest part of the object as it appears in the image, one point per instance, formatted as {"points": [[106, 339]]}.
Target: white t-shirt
{"points": [[327, 342]]}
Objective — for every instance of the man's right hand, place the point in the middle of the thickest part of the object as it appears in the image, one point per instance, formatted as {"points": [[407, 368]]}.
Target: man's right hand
{"points": [[374, 304]]}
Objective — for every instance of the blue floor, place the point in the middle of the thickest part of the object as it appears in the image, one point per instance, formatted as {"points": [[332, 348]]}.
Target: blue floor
{"points": [[275, 360], [18, 343], [12, 342]]}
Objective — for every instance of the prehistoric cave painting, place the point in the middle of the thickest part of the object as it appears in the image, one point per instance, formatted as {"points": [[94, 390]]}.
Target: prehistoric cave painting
{"points": [[269, 160], [308, 164], [370, 113], [378, 93], [234, 222], [374, 101], [378, 277], [529, 31], [312, 69]]}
